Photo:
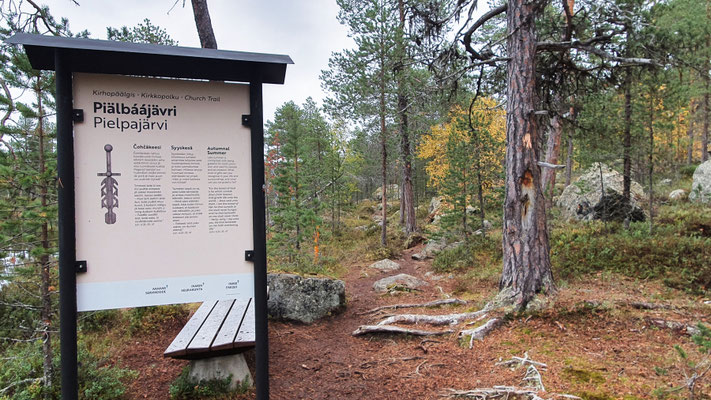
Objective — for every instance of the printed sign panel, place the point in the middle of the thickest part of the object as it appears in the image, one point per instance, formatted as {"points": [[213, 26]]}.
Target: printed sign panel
{"points": [[163, 191]]}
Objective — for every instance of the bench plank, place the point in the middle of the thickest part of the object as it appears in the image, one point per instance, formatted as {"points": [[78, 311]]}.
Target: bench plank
{"points": [[245, 337], [225, 338], [206, 334], [180, 343]]}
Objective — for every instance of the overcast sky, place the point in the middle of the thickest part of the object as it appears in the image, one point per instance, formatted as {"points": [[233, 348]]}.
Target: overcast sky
{"points": [[306, 30]]}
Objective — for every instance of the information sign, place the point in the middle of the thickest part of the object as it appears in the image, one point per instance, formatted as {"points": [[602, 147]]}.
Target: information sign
{"points": [[163, 191]]}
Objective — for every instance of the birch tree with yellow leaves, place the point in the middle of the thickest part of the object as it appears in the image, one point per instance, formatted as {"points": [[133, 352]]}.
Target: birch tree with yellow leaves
{"points": [[465, 158]]}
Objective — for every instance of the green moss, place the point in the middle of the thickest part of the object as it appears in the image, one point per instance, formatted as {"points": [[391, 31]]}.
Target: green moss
{"points": [[583, 376], [595, 396]]}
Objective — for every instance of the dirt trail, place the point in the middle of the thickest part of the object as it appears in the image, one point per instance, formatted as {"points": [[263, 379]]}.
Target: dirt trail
{"points": [[590, 340], [323, 361]]}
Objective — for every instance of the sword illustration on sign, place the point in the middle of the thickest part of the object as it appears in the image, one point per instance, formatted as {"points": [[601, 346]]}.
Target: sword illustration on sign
{"points": [[109, 188]]}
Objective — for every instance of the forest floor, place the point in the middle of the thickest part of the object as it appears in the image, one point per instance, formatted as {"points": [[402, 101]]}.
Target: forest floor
{"points": [[597, 342]]}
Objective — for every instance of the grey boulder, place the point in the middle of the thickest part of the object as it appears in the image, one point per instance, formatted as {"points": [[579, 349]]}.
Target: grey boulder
{"points": [[385, 265], [403, 281], [295, 298], [701, 184]]}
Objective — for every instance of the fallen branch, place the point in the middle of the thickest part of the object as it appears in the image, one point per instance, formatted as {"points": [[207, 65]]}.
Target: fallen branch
{"points": [[495, 392], [365, 329], [649, 306], [423, 305], [516, 361], [480, 332], [436, 320], [498, 392], [673, 325], [549, 165], [534, 376]]}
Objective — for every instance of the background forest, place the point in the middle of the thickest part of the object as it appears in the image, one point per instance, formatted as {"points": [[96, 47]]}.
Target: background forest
{"points": [[442, 128]]}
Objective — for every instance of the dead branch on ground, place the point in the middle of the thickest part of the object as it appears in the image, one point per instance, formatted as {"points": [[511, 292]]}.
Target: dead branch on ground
{"points": [[436, 320], [364, 329]]}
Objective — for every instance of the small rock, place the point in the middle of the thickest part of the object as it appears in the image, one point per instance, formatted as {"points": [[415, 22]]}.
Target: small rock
{"points": [[678, 195], [471, 210], [433, 247], [402, 280], [413, 240], [385, 265], [665, 182], [487, 225]]}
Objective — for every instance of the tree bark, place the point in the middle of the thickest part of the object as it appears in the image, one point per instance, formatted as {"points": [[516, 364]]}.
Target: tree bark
{"points": [[707, 115], [407, 204], [690, 134], [526, 249], [707, 92], [651, 161], [383, 150], [552, 151], [569, 156], [627, 140], [46, 310], [556, 124], [204, 24]]}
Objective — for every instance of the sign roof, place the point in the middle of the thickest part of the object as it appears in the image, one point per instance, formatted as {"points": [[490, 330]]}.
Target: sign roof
{"points": [[113, 57]]}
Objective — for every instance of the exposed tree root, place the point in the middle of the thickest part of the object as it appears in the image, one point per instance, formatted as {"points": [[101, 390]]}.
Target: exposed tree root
{"points": [[480, 333], [364, 329], [435, 303], [436, 320]]}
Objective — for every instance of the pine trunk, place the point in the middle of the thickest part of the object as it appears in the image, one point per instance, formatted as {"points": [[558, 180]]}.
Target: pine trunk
{"points": [[651, 163], [690, 134], [705, 133], [204, 24], [569, 156], [552, 152], [526, 249], [627, 140], [46, 310], [407, 203], [383, 153]]}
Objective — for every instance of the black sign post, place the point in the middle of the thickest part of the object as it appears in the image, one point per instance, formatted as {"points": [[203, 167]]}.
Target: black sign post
{"points": [[68, 55]]}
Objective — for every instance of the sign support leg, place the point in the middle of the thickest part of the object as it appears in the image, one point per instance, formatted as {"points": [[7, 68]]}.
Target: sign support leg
{"points": [[260, 247], [67, 229]]}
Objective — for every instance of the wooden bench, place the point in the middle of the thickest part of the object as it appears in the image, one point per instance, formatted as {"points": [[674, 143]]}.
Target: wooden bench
{"points": [[217, 328]]}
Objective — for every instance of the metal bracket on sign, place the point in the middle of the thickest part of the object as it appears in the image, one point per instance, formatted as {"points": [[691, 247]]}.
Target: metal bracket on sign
{"points": [[80, 267], [249, 255], [78, 115]]}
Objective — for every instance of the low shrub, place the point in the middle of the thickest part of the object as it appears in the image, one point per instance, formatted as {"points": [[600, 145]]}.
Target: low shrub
{"points": [[477, 251], [677, 252], [150, 319], [22, 374]]}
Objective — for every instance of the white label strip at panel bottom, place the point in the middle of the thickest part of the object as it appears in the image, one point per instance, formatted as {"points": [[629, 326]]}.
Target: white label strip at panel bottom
{"points": [[153, 292]]}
